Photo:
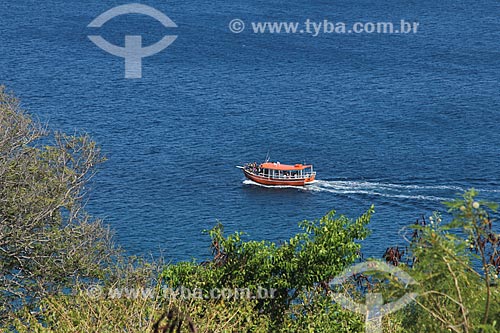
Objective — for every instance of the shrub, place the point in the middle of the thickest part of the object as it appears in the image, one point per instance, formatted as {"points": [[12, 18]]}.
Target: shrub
{"points": [[306, 261], [456, 265]]}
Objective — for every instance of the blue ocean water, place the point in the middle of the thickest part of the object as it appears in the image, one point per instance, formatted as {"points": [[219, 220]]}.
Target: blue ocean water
{"points": [[400, 121]]}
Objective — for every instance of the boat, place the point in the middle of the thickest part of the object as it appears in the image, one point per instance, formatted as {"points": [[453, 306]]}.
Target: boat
{"points": [[275, 173]]}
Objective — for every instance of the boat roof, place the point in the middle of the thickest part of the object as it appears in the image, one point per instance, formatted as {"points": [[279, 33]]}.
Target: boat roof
{"points": [[285, 167]]}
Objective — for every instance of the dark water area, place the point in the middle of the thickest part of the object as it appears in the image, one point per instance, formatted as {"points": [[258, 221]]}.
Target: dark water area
{"points": [[402, 121]]}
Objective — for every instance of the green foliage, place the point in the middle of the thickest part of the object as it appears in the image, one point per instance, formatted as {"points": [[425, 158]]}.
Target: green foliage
{"points": [[316, 255], [83, 313], [130, 299], [317, 312], [454, 296]]}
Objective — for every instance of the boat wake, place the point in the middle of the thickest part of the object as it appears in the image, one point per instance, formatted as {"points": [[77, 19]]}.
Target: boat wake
{"points": [[380, 189], [400, 191]]}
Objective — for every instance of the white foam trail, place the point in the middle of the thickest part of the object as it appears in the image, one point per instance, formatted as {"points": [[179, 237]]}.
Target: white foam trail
{"points": [[377, 185], [489, 191], [387, 195], [388, 190]]}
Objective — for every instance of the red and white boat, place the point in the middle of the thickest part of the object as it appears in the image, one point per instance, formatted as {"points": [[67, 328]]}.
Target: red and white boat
{"points": [[275, 173]]}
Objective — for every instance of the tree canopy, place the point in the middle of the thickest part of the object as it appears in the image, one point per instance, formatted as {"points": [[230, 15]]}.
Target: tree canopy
{"points": [[47, 240]]}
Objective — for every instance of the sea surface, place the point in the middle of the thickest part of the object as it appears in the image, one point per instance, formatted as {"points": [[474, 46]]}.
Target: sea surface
{"points": [[402, 121]]}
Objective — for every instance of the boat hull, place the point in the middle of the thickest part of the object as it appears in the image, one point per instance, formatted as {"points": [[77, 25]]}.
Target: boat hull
{"points": [[277, 182]]}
